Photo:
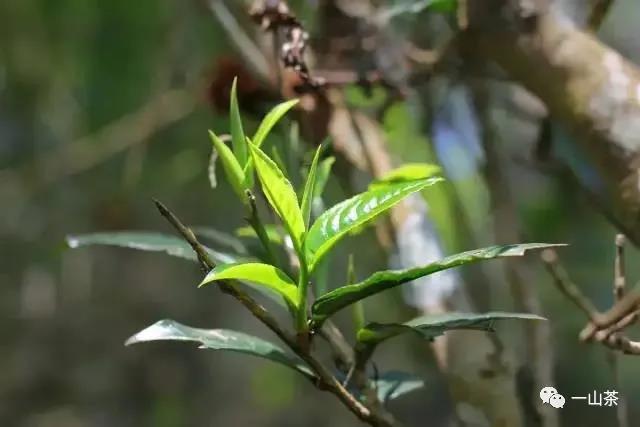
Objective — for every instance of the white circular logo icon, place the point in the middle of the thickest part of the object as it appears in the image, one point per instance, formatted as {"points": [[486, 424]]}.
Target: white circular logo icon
{"points": [[549, 395]]}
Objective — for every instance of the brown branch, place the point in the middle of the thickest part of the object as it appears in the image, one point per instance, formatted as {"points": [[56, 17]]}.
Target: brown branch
{"points": [[577, 77], [326, 381], [564, 283], [606, 333]]}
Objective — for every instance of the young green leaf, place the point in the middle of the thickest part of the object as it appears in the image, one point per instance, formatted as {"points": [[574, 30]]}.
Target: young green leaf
{"points": [[339, 298], [237, 133], [263, 274], [154, 242], [409, 172], [232, 168], [220, 339], [431, 326], [271, 119], [280, 195], [322, 176], [307, 195], [347, 216]]}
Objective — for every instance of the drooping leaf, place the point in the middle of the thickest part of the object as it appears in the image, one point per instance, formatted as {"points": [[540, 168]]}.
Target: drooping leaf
{"points": [[147, 241], [232, 168], [307, 195], [431, 326], [266, 275], [339, 298], [220, 339], [280, 194], [409, 172], [274, 233], [346, 216], [270, 121], [389, 385], [392, 385], [237, 133]]}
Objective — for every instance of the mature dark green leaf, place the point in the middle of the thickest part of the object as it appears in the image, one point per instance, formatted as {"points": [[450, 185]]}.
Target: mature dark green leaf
{"points": [[351, 214], [308, 193], [232, 168], [262, 274], [339, 298], [280, 194], [392, 385], [389, 385], [431, 326], [237, 133], [220, 339], [147, 241]]}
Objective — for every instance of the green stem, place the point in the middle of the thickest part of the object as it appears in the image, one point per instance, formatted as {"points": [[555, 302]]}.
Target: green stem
{"points": [[303, 282], [255, 223]]}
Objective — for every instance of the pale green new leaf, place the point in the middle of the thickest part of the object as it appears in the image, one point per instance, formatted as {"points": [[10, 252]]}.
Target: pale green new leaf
{"points": [[262, 274], [237, 133], [261, 134], [220, 339], [280, 194], [230, 164], [270, 121], [339, 298], [322, 176], [431, 326], [351, 214], [409, 172], [308, 194]]}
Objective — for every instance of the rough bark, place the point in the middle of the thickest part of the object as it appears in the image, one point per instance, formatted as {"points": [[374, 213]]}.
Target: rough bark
{"points": [[590, 88]]}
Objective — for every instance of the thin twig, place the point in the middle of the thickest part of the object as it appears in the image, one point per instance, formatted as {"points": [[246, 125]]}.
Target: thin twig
{"points": [[564, 283], [610, 336], [326, 381], [619, 283]]}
